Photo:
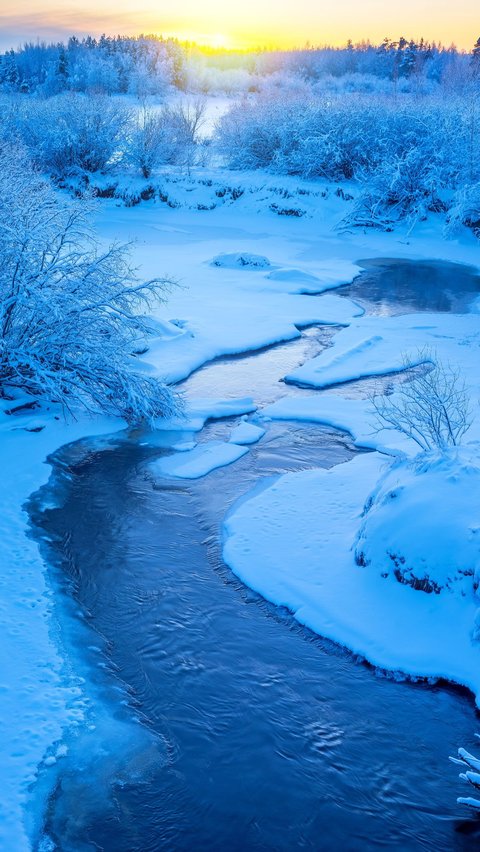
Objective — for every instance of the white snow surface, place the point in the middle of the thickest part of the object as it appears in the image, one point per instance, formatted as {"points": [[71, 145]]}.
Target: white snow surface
{"points": [[246, 433], [199, 411], [39, 694], [198, 462], [354, 416], [423, 522], [294, 544]]}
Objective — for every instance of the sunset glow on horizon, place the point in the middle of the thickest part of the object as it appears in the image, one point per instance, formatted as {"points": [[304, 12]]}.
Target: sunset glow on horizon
{"points": [[258, 23]]}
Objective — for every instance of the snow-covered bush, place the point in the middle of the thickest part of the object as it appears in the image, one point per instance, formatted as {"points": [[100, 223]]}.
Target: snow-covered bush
{"points": [[422, 524], [465, 210], [433, 408], [169, 135], [72, 133], [69, 310], [409, 153], [347, 136], [403, 188]]}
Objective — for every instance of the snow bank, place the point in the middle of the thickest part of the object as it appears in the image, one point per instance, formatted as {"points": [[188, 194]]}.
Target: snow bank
{"points": [[224, 323], [40, 695], [198, 462], [294, 543], [354, 416], [422, 524]]}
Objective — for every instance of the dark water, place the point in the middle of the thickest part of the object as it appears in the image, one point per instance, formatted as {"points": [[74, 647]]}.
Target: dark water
{"points": [[271, 738], [276, 739], [388, 286]]}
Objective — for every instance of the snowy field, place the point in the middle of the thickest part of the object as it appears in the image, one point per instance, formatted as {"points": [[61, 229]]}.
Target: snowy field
{"points": [[228, 302]]}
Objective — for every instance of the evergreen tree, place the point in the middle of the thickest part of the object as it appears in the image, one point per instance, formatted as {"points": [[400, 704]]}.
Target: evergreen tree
{"points": [[10, 70], [409, 59], [62, 65]]}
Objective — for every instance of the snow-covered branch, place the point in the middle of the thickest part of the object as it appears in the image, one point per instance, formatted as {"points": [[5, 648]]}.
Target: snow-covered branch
{"points": [[471, 766]]}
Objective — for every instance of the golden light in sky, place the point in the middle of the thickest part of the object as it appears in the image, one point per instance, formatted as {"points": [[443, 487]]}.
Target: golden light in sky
{"points": [[251, 23], [216, 41]]}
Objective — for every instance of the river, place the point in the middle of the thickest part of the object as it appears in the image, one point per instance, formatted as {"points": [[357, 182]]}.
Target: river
{"points": [[270, 738]]}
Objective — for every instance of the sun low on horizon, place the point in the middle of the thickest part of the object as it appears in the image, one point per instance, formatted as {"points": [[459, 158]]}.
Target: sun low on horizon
{"points": [[221, 26]]}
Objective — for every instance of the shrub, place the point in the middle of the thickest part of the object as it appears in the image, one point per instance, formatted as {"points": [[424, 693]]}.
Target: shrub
{"points": [[69, 310], [433, 409], [72, 133]]}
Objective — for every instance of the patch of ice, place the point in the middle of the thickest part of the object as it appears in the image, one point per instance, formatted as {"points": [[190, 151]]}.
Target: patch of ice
{"points": [[246, 433], [376, 345], [198, 462]]}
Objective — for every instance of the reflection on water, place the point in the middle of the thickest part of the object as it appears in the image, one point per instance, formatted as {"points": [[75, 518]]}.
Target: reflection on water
{"points": [[259, 374], [388, 286]]}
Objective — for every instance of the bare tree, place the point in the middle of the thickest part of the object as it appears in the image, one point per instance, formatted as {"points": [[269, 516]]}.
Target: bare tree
{"points": [[69, 309], [185, 120], [433, 409]]}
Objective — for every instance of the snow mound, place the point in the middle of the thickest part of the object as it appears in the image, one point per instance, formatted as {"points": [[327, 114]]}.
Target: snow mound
{"points": [[422, 523], [241, 260], [299, 282], [164, 328], [246, 433], [331, 274], [192, 464]]}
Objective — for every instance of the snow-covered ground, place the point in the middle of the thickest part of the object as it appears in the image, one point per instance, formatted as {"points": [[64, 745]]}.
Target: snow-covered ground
{"points": [[41, 695], [221, 310], [294, 543]]}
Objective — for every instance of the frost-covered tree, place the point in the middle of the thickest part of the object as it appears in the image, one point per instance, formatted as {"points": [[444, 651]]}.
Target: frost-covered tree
{"points": [[167, 135], [147, 144], [404, 188], [184, 121], [433, 408], [70, 309]]}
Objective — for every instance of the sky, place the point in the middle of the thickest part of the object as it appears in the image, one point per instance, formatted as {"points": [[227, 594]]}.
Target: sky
{"points": [[249, 23]]}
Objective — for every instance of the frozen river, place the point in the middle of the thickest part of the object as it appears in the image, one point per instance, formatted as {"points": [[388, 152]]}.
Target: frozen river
{"points": [[270, 738]]}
